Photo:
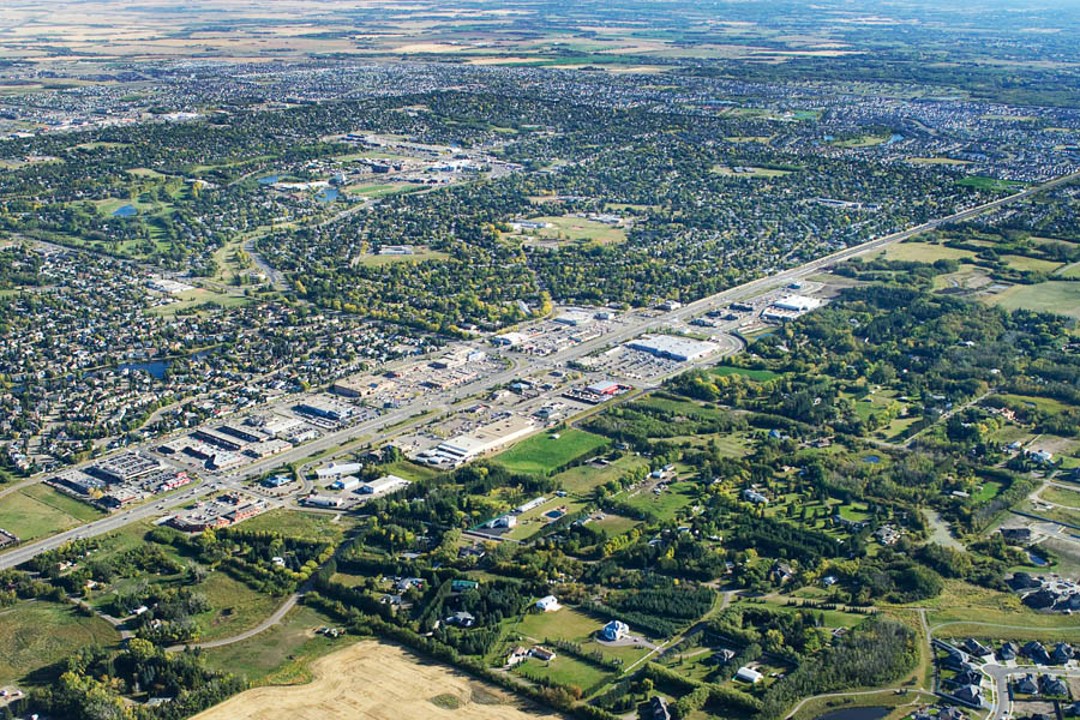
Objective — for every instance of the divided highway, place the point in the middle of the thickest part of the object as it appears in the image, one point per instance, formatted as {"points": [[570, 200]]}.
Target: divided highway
{"points": [[421, 410]]}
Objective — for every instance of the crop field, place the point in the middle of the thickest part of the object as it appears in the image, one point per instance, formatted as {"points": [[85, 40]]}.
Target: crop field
{"points": [[543, 454], [379, 682], [38, 510], [39, 633], [1053, 296]]}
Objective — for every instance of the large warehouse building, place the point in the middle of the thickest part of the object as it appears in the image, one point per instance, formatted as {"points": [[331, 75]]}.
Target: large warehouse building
{"points": [[673, 347]]}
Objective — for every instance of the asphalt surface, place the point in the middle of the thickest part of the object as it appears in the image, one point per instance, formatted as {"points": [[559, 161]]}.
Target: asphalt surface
{"points": [[422, 409]]}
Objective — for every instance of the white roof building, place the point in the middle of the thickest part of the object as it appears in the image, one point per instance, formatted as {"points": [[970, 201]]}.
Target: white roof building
{"points": [[383, 485], [548, 603], [747, 674]]}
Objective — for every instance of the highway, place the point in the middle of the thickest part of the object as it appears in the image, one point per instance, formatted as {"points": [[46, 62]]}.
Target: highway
{"points": [[425, 408]]}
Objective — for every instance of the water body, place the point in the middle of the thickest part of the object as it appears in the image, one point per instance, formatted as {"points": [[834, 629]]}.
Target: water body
{"points": [[857, 713], [1036, 560], [894, 138], [156, 368], [872, 459], [126, 211], [269, 179], [327, 195]]}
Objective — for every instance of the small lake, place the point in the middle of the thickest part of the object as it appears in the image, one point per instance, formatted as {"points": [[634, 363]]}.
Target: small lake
{"points": [[269, 179], [1036, 560], [327, 195], [872, 459], [894, 138], [126, 211], [856, 713], [156, 368]]}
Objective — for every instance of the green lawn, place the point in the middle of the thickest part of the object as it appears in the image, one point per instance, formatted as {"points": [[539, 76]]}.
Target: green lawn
{"points": [[39, 510], [280, 655], [544, 453], [981, 182], [667, 504], [571, 229], [1030, 264], [38, 633], [566, 670], [581, 480], [1053, 296]]}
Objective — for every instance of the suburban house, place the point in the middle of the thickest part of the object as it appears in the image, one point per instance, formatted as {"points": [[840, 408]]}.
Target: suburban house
{"points": [[614, 630]]}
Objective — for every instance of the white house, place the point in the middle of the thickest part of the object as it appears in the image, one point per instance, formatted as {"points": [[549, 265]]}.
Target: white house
{"points": [[747, 674], [548, 603]]}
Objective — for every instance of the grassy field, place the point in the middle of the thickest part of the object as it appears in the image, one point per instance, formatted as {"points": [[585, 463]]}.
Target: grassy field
{"points": [[981, 182], [667, 504], [1061, 496], [296, 523], [581, 480], [924, 252], [1052, 296], [36, 634], [543, 454], [378, 682], [420, 254], [756, 375], [236, 607], [1030, 264], [576, 229], [281, 655], [749, 172], [565, 670], [199, 296], [38, 511]]}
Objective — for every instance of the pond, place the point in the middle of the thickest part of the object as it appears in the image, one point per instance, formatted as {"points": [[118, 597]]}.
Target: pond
{"points": [[856, 713], [1037, 560], [327, 195], [126, 211], [156, 368], [872, 459], [269, 179], [894, 138]]}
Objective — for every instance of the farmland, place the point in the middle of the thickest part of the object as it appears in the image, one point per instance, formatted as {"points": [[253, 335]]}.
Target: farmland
{"points": [[377, 681]]}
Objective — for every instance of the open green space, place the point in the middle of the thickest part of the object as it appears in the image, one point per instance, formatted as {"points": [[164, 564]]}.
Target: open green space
{"points": [[35, 634], [919, 251], [200, 296], [420, 254], [39, 510], [981, 182], [280, 655], [582, 479], [236, 607], [1024, 263], [565, 670], [1052, 296], [297, 523], [757, 374], [570, 228], [544, 453], [665, 505]]}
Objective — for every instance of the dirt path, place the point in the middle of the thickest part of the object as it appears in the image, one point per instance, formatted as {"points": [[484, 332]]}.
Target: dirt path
{"points": [[376, 681]]}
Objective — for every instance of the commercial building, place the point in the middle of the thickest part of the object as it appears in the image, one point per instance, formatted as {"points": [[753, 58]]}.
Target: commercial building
{"points": [[673, 347], [790, 308], [346, 483], [383, 485], [463, 448]]}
